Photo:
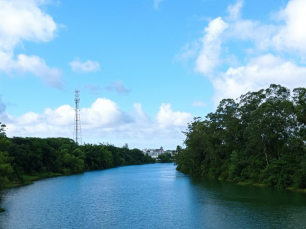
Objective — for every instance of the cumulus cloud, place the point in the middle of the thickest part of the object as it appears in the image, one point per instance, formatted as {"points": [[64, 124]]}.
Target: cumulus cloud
{"points": [[292, 35], [259, 73], [105, 121], [287, 34], [104, 113], [273, 52], [208, 58], [25, 21], [156, 3], [167, 117], [38, 67], [31, 64], [87, 66]]}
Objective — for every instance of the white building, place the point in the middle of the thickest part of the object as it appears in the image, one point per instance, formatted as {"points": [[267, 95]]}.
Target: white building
{"points": [[154, 152]]}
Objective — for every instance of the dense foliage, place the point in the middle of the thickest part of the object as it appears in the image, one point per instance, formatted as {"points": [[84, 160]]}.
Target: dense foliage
{"points": [[30, 158], [165, 158], [20, 157], [258, 138]]}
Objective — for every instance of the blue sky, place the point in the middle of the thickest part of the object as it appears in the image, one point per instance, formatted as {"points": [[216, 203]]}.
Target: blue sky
{"points": [[144, 68]]}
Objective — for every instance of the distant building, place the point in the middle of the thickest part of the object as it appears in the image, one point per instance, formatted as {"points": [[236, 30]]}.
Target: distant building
{"points": [[153, 152]]}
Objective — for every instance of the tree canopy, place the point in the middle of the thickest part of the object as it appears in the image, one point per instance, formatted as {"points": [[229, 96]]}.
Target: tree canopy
{"points": [[31, 156], [260, 138]]}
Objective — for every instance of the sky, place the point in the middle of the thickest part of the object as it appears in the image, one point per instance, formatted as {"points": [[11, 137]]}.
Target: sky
{"points": [[145, 68]]}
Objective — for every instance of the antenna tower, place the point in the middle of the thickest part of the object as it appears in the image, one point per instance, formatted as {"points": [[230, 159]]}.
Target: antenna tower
{"points": [[77, 120]]}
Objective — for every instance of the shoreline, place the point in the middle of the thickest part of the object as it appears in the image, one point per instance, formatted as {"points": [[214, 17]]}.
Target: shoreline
{"points": [[251, 183], [30, 179], [265, 186]]}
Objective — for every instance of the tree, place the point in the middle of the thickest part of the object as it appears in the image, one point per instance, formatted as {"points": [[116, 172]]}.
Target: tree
{"points": [[165, 158], [6, 169], [260, 137]]}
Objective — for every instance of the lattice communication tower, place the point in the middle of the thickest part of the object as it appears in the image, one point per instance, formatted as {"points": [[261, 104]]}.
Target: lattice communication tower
{"points": [[77, 119]]}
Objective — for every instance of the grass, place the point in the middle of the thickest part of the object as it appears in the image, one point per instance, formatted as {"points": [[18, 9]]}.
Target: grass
{"points": [[296, 189], [29, 179]]}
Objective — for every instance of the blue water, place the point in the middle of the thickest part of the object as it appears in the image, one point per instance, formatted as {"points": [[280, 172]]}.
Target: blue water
{"points": [[149, 196]]}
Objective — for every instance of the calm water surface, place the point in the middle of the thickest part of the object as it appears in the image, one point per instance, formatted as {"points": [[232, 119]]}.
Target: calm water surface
{"points": [[149, 196]]}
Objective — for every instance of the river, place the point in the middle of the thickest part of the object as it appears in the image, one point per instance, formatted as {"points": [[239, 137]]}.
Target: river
{"points": [[149, 196]]}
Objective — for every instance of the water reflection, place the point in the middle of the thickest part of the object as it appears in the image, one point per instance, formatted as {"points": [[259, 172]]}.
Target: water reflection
{"points": [[249, 206]]}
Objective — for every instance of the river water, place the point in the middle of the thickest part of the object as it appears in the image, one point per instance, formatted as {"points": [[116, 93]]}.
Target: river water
{"points": [[149, 196]]}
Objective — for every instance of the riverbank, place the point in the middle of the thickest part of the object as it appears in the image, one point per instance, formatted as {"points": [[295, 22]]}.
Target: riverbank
{"points": [[263, 185], [29, 179]]}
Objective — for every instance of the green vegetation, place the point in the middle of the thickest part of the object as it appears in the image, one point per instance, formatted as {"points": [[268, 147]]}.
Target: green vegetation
{"points": [[165, 158], [259, 138], [23, 160]]}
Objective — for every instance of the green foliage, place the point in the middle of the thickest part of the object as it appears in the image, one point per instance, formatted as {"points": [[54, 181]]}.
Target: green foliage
{"points": [[34, 156], [165, 158], [25, 159], [6, 169], [259, 137]]}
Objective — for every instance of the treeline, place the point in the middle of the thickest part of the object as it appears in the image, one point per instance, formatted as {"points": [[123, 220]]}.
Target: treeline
{"points": [[165, 158], [21, 157], [258, 138]]}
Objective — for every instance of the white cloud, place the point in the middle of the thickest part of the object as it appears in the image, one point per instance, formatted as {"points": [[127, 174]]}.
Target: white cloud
{"points": [[105, 121], [31, 64], [156, 3], [104, 113], [29, 118], [208, 58], [268, 52], [61, 116], [167, 117], [289, 36], [235, 10], [25, 21], [38, 67], [259, 73], [266, 68], [140, 113], [87, 66], [292, 35], [248, 30]]}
